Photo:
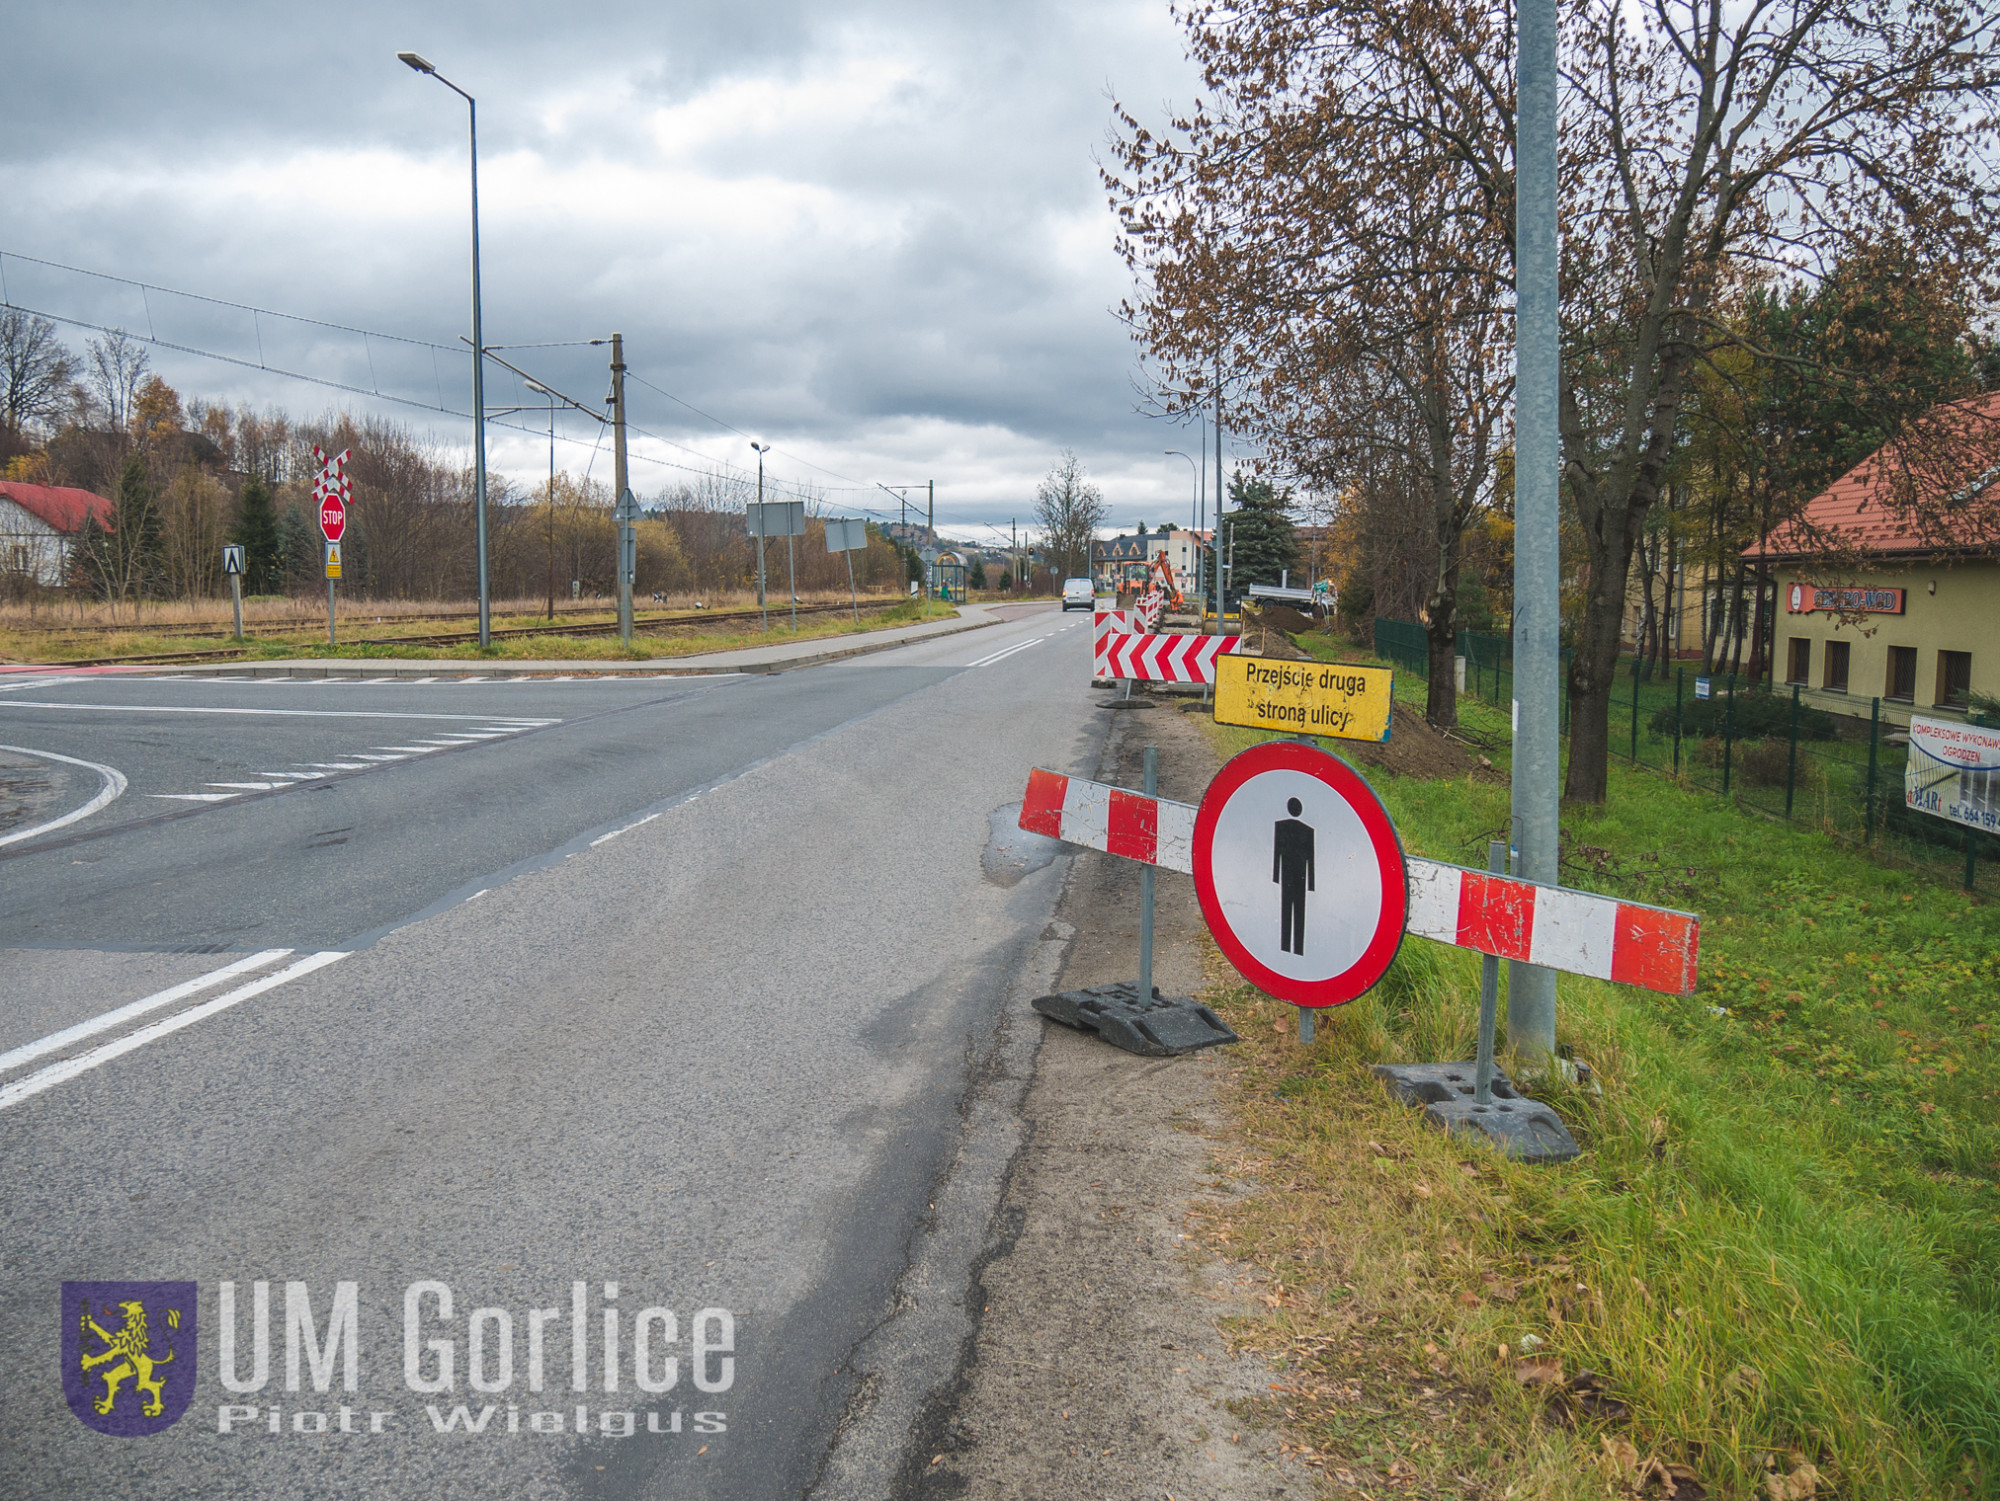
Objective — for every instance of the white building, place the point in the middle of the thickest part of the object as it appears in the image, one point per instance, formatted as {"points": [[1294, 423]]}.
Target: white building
{"points": [[39, 525]]}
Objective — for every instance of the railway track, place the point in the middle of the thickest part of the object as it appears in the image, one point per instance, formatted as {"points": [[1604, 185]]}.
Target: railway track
{"points": [[641, 625]]}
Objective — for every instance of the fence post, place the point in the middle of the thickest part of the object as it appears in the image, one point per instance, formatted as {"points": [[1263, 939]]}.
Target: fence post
{"points": [[1792, 755], [1971, 856], [1874, 745], [1728, 733], [1635, 711], [1680, 678]]}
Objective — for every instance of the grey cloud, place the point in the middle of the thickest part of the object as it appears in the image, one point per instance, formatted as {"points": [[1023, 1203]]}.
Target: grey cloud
{"points": [[945, 287]]}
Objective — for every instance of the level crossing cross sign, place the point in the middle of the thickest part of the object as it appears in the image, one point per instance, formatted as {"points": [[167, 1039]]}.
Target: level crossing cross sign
{"points": [[331, 493], [1300, 874]]}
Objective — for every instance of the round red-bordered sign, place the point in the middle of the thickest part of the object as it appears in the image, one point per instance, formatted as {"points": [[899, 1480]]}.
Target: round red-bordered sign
{"points": [[1300, 874]]}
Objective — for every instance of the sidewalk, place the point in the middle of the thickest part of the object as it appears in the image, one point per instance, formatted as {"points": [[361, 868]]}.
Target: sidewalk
{"points": [[775, 657]]}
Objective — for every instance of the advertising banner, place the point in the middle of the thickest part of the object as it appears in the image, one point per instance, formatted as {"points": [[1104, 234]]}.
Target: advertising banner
{"points": [[1954, 772]]}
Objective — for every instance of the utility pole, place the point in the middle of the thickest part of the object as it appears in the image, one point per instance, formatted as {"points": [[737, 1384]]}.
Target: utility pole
{"points": [[1014, 550], [1531, 991], [1218, 495], [763, 611], [627, 540], [930, 525]]}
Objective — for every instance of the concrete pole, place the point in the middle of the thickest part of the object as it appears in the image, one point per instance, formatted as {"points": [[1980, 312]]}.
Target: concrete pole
{"points": [[619, 479], [236, 601], [478, 392], [1531, 992], [930, 525]]}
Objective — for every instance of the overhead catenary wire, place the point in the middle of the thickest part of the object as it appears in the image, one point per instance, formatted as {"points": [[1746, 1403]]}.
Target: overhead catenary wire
{"points": [[707, 466]]}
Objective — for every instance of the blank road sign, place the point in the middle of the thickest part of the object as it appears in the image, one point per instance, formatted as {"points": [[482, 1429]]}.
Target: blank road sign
{"points": [[846, 536], [777, 518], [1300, 874]]}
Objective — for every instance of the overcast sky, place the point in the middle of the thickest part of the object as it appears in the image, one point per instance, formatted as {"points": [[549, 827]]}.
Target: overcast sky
{"points": [[869, 233]]}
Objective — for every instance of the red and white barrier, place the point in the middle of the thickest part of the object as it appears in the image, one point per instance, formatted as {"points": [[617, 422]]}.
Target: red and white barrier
{"points": [[1151, 830], [1163, 659], [1578, 932], [1554, 926]]}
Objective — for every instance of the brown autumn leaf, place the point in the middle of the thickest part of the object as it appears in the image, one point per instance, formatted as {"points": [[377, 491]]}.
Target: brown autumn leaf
{"points": [[1539, 1372], [1801, 1485]]}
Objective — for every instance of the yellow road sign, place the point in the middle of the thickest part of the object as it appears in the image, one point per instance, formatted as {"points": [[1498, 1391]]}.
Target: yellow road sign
{"points": [[333, 560], [1303, 698]]}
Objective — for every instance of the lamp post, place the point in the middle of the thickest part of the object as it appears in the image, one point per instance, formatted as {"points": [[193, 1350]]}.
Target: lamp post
{"points": [[763, 612], [418, 64], [1193, 502]]}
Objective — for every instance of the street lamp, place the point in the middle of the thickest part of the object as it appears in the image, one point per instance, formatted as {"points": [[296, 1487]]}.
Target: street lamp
{"points": [[419, 65], [763, 614], [1194, 502]]}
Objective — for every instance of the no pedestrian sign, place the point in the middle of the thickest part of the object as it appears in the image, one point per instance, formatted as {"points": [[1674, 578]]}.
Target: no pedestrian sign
{"points": [[1304, 698], [1300, 874]]}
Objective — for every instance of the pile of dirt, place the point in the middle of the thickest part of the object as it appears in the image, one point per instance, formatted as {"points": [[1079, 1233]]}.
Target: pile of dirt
{"points": [[1285, 618], [1416, 749]]}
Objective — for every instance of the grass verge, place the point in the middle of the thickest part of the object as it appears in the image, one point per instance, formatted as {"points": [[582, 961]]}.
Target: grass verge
{"points": [[1774, 1272], [676, 641]]}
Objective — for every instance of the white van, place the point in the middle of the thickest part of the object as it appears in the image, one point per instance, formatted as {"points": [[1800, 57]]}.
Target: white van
{"points": [[1079, 594]]}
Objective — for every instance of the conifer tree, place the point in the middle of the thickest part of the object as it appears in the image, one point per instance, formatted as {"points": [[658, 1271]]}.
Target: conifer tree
{"points": [[256, 532]]}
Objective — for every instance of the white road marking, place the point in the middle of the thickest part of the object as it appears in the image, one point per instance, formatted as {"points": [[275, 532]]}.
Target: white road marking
{"points": [[337, 765], [28, 1052], [365, 756], [409, 750], [243, 786], [601, 838], [195, 797], [1000, 656], [114, 785], [57, 1073], [524, 721]]}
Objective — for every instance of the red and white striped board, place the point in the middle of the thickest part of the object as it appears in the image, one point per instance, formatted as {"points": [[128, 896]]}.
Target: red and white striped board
{"points": [[1163, 659], [1104, 624], [1578, 932]]}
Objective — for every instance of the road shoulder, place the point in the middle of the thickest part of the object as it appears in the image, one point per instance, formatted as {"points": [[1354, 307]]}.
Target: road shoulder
{"points": [[1098, 1366]]}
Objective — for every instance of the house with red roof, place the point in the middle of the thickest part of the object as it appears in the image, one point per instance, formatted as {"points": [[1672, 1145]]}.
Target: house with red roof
{"points": [[1873, 604], [39, 527]]}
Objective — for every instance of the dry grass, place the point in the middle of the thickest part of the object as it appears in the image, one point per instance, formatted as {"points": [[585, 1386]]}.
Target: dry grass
{"points": [[285, 627]]}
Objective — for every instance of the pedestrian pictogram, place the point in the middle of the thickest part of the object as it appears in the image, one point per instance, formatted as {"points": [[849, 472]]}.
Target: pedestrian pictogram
{"points": [[1300, 874]]}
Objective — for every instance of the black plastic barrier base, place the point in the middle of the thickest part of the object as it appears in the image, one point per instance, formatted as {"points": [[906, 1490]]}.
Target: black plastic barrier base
{"points": [[1155, 1026]]}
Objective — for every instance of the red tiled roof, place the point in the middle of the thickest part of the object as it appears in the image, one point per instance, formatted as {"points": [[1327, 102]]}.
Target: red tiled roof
{"points": [[61, 506], [1857, 509]]}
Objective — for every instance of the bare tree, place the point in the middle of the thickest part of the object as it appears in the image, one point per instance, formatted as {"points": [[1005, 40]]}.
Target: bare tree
{"points": [[35, 369], [118, 364], [1070, 509]]}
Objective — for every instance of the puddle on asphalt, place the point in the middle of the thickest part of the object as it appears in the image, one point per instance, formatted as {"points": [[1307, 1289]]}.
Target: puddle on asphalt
{"points": [[1011, 851]]}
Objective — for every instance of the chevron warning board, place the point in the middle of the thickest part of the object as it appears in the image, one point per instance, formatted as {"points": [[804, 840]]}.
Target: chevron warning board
{"points": [[1162, 659]]}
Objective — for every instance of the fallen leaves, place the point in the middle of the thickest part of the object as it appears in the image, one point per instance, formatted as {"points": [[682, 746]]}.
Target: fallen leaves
{"points": [[1801, 1485], [1539, 1372]]}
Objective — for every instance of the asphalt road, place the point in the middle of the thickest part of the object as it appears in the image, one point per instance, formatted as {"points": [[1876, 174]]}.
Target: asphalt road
{"points": [[676, 1002]]}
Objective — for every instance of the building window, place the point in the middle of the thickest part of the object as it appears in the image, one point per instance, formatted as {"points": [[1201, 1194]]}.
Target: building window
{"points": [[1902, 681], [1836, 666], [1801, 669], [1954, 678]]}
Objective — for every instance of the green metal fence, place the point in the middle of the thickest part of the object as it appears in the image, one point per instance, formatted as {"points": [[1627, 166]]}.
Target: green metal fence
{"points": [[1829, 760]]}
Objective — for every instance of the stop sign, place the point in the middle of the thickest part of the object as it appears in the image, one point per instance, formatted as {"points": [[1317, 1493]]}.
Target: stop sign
{"points": [[332, 517]]}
